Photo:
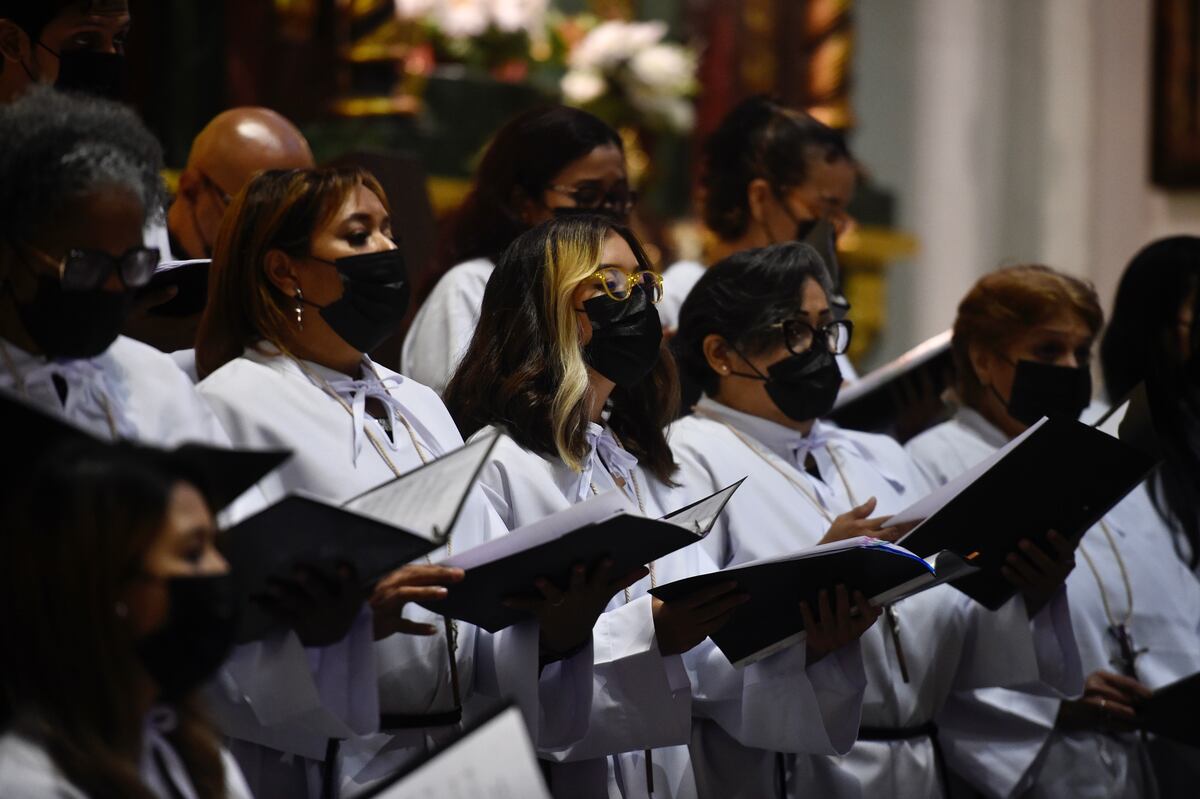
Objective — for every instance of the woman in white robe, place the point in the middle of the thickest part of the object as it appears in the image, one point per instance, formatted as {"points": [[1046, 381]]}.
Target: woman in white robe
{"points": [[107, 705], [302, 382], [71, 259], [758, 335], [1014, 744], [597, 342], [543, 160]]}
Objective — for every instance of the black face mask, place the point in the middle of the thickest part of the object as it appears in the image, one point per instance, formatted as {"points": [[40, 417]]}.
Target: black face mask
{"points": [[1044, 389], [73, 324], [604, 211], [89, 72], [803, 386], [626, 336], [197, 636], [374, 299]]}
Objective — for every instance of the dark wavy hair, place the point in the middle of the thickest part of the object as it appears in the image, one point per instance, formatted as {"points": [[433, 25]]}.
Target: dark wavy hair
{"points": [[522, 159], [56, 146], [69, 544], [760, 138], [738, 299], [524, 370], [1141, 345]]}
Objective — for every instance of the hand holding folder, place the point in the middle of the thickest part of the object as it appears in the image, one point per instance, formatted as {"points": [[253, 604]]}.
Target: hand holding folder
{"points": [[371, 534], [586, 534], [772, 619], [1058, 475]]}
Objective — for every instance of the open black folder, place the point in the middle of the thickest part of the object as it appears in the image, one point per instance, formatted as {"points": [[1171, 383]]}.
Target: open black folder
{"points": [[190, 278], [376, 532], [600, 527], [1171, 711], [903, 397], [770, 621], [1059, 474], [493, 757]]}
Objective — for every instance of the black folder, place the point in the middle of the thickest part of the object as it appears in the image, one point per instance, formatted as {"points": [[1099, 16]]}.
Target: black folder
{"points": [[221, 473], [190, 278], [903, 397], [598, 528], [770, 621], [1171, 711], [376, 532], [1059, 475]]}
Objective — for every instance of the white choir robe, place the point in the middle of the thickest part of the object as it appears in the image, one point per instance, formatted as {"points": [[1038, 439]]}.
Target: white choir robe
{"points": [[948, 640], [444, 324], [267, 401], [1004, 741], [641, 698], [28, 772], [678, 279], [269, 682]]}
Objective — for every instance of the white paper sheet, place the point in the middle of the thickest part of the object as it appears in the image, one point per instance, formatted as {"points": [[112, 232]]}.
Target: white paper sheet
{"points": [[494, 761]]}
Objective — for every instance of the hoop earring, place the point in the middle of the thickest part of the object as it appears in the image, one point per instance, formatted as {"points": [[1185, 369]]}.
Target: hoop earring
{"points": [[299, 309]]}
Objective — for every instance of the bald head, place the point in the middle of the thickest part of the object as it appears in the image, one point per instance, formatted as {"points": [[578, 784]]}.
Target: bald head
{"points": [[239, 142], [231, 149]]}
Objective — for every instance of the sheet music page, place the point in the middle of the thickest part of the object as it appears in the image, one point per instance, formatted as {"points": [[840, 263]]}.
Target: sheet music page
{"points": [[426, 501], [701, 516], [495, 761], [934, 501], [590, 511], [167, 266]]}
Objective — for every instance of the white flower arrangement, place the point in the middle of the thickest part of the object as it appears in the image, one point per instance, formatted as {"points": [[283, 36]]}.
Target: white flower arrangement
{"points": [[631, 60], [467, 19]]}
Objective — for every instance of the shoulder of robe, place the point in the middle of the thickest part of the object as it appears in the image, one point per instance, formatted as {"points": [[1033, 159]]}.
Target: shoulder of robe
{"points": [[136, 358], [27, 772], [467, 278], [925, 445], [232, 373], [695, 437]]}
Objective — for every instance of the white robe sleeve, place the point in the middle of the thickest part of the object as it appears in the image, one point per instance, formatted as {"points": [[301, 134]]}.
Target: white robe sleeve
{"points": [[779, 703], [1006, 649], [641, 699], [279, 694]]}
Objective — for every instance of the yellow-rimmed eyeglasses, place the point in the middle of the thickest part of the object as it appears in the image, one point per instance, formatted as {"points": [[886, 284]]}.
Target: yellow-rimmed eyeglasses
{"points": [[620, 285]]}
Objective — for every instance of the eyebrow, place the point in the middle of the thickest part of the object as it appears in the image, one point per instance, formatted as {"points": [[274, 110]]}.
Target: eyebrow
{"points": [[363, 216]]}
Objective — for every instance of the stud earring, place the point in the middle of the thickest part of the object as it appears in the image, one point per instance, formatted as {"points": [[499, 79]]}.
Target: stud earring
{"points": [[299, 309]]}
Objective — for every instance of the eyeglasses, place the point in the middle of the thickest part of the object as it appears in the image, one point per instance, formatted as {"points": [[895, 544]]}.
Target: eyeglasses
{"points": [[226, 197], [618, 198], [799, 336], [85, 270], [620, 286]]}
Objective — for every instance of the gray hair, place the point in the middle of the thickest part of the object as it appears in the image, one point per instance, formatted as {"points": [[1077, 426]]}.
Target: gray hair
{"points": [[58, 146]]}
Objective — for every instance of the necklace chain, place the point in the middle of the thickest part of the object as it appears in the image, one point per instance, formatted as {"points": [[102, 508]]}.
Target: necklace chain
{"points": [[450, 625], [1100, 583]]}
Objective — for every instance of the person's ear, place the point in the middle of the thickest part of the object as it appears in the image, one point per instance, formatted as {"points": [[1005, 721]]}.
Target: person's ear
{"points": [[527, 208], [190, 184], [759, 198], [281, 271], [983, 362], [13, 41], [719, 354]]}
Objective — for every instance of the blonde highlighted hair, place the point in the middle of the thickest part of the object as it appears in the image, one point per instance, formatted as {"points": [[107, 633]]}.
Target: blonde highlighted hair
{"points": [[524, 369]]}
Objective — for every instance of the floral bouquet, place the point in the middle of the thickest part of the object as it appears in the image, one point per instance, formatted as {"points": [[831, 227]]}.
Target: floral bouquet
{"points": [[624, 73]]}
